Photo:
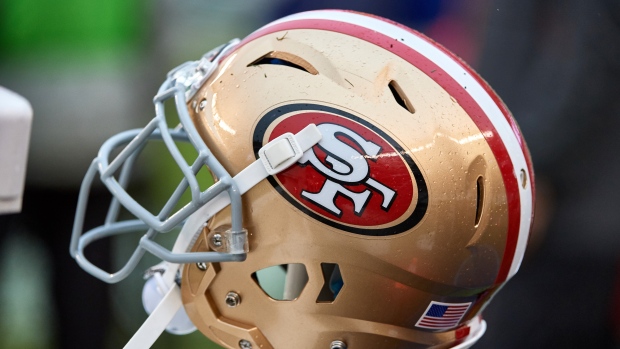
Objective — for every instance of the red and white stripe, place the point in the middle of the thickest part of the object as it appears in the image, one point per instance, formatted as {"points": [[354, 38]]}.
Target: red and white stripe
{"points": [[472, 93]]}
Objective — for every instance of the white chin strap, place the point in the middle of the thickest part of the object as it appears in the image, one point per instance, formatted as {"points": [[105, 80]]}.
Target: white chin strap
{"points": [[159, 319], [161, 295], [153, 293]]}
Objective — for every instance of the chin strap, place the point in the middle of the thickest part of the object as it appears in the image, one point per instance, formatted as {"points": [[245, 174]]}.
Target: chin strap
{"points": [[274, 157], [157, 322]]}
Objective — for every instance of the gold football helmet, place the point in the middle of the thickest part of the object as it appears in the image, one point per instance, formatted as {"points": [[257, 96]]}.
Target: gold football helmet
{"points": [[366, 168]]}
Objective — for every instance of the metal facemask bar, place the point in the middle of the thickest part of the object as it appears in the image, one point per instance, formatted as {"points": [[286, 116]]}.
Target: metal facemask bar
{"points": [[181, 84]]}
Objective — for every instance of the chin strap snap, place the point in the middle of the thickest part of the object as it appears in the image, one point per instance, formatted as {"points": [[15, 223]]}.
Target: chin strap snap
{"points": [[274, 157]]}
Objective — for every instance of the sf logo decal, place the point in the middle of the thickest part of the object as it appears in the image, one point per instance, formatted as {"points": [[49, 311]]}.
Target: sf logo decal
{"points": [[346, 166], [357, 178]]}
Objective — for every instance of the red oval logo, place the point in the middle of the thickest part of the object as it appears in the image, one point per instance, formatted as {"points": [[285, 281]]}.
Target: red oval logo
{"points": [[356, 178]]}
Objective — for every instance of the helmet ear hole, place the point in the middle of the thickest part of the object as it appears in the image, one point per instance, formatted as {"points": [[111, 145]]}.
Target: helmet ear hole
{"points": [[333, 283], [283, 282]]}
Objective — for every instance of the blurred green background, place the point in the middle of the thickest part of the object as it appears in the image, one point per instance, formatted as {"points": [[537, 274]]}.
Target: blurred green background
{"points": [[90, 69]]}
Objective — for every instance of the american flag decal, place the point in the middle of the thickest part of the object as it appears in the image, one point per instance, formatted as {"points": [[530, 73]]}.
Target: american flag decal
{"points": [[443, 316]]}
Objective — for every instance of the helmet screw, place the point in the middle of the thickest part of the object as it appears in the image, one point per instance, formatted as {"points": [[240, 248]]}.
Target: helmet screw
{"points": [[232, 299], [202, 266], [203, 104], [217, 240], [243, 344], [337, 344]]}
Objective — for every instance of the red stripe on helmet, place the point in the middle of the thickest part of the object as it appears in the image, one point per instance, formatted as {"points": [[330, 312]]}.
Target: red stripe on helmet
{"points": [[457, 91]]}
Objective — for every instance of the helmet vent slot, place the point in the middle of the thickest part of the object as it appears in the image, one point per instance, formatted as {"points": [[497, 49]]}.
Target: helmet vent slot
{"points": [[400, 96], [479, 199], [333, 283], [282, 282], [285, 59]]}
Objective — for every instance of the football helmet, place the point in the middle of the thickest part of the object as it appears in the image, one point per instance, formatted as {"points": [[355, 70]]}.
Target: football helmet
{"points": [[371, 167]]}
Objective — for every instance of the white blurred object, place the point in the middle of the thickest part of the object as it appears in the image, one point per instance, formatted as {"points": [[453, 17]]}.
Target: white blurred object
{"points": [[154, 291], [15, 122]]}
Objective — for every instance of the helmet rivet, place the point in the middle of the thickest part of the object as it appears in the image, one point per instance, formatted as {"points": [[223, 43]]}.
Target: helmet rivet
{"points": [[203, 104], [217, 240], [202, 266], [232, 299], [243, 344], [337, 344]]}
